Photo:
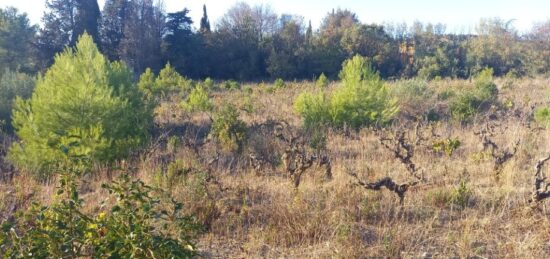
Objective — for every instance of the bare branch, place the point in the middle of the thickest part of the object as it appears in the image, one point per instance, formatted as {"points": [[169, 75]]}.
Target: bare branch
{"points": [[403, 151], [500, 156], [541, 190], [399, 189], [296, 159]]}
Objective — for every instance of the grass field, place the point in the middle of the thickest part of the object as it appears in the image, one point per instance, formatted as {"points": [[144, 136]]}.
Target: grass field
{"points": [[466, 203]]}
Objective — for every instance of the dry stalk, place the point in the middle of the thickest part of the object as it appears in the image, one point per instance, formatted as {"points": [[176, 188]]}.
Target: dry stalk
{"points": [[326, 163]]}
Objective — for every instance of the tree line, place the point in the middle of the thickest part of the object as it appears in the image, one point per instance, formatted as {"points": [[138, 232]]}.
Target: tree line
{"points": [[255, 43]]}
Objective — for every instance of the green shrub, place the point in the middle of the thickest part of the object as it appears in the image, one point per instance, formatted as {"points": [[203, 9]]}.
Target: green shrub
{"points": [[247, 103], [429, 68], [508, 104], [458, 196], [82, 94], [448, 146], [363, 99], [322, 81], [446, 95], [314, 109], [140, 224], [485, 87], [231, 85], [470, 103], [279, 83], [147, 83], [461, 195], [173, 143], [198, 100], [464, 106], [248, 89], [542, 116], [209, 83], [228, 129], [13, 84], [168, 81]]}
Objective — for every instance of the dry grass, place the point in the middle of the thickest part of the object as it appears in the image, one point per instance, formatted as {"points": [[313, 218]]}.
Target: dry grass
{"points": [[460, 211]]}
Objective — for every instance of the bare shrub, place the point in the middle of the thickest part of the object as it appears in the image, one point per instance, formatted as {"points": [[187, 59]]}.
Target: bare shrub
{"points": [[403, 151], [499, 155], [542, 188]]}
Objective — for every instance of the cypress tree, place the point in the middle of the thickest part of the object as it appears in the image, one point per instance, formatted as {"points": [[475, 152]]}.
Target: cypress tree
{"points": [[309, 33], [205, 22]]}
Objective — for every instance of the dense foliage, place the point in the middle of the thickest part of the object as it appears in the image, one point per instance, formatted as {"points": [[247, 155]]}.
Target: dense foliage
{"points": [[141, 223], [85, 95], [253, 42]]}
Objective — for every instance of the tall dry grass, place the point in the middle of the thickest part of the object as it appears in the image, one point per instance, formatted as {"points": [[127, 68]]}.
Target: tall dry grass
{"points": [[461, 210]]}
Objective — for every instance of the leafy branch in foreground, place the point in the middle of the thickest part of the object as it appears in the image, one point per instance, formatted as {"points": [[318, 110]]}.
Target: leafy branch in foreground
{"points": [[143, 222]]}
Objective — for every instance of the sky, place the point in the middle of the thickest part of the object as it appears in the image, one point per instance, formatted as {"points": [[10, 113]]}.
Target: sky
{"points": [[459, 16]]}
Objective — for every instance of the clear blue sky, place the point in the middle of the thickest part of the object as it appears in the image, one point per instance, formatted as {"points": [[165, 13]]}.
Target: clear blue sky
{"points": [[460, 15]]}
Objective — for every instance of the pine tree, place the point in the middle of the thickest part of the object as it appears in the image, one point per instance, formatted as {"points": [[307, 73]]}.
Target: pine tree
{"points": [[84, 97], [205, 22]]}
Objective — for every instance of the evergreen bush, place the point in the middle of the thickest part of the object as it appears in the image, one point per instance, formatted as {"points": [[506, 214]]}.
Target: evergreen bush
{"points": [[228, 129], [81, 94], [542, 116], [362, 99], [322, 81]]}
